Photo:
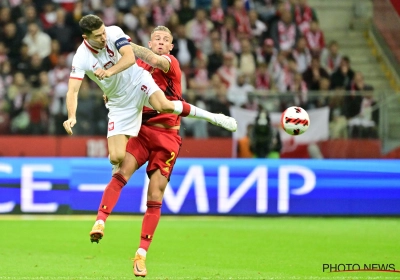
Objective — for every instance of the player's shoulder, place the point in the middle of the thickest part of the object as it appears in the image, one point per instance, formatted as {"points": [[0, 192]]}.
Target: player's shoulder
{"points": [[172, 59], [82, 51], [113, 30]]}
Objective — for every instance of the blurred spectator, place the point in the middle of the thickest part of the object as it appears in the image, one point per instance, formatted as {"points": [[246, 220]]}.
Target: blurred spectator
{"points": [[315, 39], [343, 76], [265, 8], [302, 55], [320, 98], [48, 15], [239, 12], [238, 92], [86, 124], [162, 12], [217, 13], [298, 88], [228, 34], [5, 77], [54, 53], [331, 58], [12, 39], [36, 66], [184, 48], [3, 53], [131, 19], [37, 107], [303, 15], [30, 16], [358, 108], [338, 120], [314, 74], [16, 97], [198, 29], [61, 32], [194, 127], [4, 117], [258, 28], [199, 80], [215, 58], [173, 22], [186, 12], [284, 32], [5, 17], [143, 30], [262, 77], [109, 11], [219, 104], [264, 139], [37, 41], [23, 60], [243, 144], [246, 59], [279, 71], [267, 51], [228, 72]]}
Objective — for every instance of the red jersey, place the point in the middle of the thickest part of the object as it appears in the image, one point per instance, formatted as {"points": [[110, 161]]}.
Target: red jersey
{"points": [[170, 84]]}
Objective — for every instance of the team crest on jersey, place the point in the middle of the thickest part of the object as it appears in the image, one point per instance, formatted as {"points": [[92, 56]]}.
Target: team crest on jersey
{"points": [[110, 126], [108, 65], [143, 88]]}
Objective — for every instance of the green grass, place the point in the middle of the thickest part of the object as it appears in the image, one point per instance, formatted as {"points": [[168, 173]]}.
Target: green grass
{"points": [[58, 247]]}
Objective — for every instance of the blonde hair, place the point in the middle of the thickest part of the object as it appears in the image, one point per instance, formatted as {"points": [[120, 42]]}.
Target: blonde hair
{"points": [[162, 28]]}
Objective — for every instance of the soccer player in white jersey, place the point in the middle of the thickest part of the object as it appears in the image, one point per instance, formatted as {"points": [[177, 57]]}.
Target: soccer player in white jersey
{"points": [[107, 58]]}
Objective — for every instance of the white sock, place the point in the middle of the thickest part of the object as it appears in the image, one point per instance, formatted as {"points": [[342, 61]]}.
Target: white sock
{"points": [[195, 112], [99, 222], [141, 252]]}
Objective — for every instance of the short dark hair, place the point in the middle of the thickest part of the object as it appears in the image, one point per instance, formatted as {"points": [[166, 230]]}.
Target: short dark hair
{"points": [[89, 23]]}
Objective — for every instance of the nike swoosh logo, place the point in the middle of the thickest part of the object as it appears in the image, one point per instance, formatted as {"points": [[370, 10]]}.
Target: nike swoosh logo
{"points": [[137, 268], [95, 64]]}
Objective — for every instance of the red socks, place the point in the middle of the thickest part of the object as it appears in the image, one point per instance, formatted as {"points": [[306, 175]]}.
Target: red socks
{"points": [[150, 222], [110, 196]]}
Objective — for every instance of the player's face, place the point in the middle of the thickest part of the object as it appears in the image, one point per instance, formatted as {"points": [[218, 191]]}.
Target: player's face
{"points": [[161, 42], [98, 38]]}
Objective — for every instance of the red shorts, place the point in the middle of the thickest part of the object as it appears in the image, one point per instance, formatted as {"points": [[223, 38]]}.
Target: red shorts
{"points": [[157, 145]]}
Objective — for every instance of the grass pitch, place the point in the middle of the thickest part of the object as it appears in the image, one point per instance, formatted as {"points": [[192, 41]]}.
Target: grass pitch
{"points": [[58, 247]]}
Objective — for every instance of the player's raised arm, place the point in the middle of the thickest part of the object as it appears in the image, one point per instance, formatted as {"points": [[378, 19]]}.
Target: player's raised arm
{"points": [[148, 56], [126, 61], [72, 103]]}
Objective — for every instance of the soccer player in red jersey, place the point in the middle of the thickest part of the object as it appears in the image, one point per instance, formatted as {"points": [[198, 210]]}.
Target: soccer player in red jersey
{"points": [[158, 143]]}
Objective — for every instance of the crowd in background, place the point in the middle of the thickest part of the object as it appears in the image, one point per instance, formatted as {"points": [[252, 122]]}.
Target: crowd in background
{"points": [[232, 53]]}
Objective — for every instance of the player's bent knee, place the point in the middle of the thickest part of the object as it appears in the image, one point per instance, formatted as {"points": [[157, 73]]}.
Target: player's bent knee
{"points": [[116, 158]]}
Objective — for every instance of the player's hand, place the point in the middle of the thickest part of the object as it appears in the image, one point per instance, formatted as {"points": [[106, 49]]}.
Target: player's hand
{"points": [[102, 74], [69, 124]]}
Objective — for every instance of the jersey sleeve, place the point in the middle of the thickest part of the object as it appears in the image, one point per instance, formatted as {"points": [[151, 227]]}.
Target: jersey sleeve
{"points": [[78, 69], [173, 65], [118, 37]]}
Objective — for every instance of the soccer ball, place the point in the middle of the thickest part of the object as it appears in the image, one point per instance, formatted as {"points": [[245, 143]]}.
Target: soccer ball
{"points": [[295, 120]]}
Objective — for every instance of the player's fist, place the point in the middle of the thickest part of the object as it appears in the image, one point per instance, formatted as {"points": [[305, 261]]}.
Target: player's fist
{"points": [[69, 124], [101, 73]]}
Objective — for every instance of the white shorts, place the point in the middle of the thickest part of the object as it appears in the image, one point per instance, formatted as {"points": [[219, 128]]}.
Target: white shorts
{"points": [[126, 118]]}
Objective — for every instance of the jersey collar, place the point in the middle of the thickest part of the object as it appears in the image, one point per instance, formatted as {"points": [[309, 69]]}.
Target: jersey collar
{"points": [[92, 49]]}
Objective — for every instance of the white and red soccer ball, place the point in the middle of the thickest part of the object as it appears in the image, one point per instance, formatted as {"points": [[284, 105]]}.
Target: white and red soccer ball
{"points": [[295, 120]]}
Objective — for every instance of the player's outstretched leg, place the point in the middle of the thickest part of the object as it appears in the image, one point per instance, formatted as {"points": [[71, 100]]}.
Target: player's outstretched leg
{"points": [[188, 110], [226, 122], [97, 232], [139, 263]]}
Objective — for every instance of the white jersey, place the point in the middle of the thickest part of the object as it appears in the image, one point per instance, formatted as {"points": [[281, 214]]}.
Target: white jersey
{"points": [[87, 59]]}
